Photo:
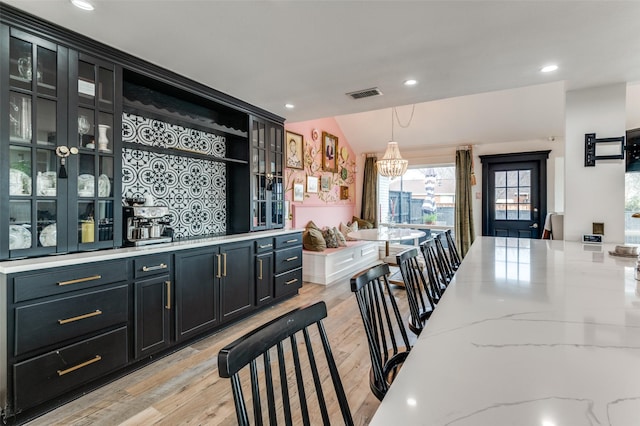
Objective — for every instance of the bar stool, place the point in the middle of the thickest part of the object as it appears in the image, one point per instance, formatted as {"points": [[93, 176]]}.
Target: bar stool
{"points": [[386, 333], [421, 304], [437, 284], [454, 254], [443, 259]]}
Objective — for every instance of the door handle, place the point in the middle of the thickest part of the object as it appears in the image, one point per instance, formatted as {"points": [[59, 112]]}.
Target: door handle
{"points": [[534, 226]]}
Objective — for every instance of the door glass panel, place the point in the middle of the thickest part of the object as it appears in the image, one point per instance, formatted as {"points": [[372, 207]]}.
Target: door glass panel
{"points": [[501, 212], [19, 117], [254, 134], [105, 88], [86, 177], [47, 228], [86, 126], [105, 133], [105, 220], [261, 161], [501, 179], [279, 139], [512, 178], [46, 122], [512, 195], [86, 83], [254, 167], [105, 180], [46, 71], [46, 178], [20, 170], [525, 212], [525, 177], [21, 66], [19, 225], [86, 222], [261, 135]]}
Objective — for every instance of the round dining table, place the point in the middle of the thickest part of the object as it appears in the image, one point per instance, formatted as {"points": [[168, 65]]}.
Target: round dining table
{"points": [[387, 235]]}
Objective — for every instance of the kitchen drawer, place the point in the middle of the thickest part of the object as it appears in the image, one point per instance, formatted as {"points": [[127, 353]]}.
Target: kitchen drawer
{"points": [[151, 265], [264, 245], [288, 240], [57, 372], [66, 279], [42, 324], [287, 259], [288, 282]]}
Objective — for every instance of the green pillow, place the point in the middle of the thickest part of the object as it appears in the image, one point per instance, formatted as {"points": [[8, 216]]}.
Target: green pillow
{"points": [[312, 240], [362, 224]]}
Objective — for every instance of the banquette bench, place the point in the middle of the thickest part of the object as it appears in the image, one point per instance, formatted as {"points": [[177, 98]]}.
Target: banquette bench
{"points": [[333, 264]]}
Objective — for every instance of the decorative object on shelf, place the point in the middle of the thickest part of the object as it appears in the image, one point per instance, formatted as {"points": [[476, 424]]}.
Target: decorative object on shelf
{"points": [[298, 192], [312, 184], [103, 141], [104, 186], [344, 174], [83, 128], [49, 236], [294, 150], [329, 152], [19, 182], [86, 183], [344, 192], [602, 149], [46, 183], [25, 68], [392, 164], [325, 183], [597, 228], [315, 134], [19, 237]]}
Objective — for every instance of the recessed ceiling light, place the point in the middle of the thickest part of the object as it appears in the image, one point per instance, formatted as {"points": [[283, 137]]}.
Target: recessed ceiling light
{"points": [[549, 68], [410, 82], [82, 4], [289, 106]]}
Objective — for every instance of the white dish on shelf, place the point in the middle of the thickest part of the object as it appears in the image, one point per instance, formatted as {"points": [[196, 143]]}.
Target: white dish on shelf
{"points": [[86, 184], [19, 237], [46, 183], [104, 186], [19, 182], [48, 236]]}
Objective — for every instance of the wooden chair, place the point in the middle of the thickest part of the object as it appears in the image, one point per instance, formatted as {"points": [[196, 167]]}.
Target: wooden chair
{"points": [[443, 259], [306, 397], [386, 333], [421, 304], [437, 283], [454, 254]]}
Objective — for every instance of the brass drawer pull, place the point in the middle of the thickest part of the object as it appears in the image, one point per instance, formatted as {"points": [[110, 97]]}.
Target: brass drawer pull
{"points": [[79, 366], [168, 284], [260, 276], [295, 280], [292, 241], [154, 268], [292, 258], [80, 280], [219, 266], [224, 271], [80, 317], [266, 245]]}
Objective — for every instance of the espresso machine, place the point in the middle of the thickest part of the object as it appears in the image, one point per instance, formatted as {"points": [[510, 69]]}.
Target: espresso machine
{"points": [[146, 225]]}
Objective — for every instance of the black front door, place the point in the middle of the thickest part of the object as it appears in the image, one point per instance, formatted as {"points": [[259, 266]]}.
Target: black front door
{"points": [[514, 194]]}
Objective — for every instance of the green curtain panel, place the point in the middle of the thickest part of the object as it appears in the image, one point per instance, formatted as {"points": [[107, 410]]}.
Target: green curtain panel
{"points": [[370, 192], [465, 233]]}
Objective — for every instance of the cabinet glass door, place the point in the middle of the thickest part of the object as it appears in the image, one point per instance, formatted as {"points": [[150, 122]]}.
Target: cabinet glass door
{"points": [[260, 174], [276, 141], [36, 101]]}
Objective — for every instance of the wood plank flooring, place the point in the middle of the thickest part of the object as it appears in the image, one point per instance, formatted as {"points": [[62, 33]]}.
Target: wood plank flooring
{"points": [[184, 388]]}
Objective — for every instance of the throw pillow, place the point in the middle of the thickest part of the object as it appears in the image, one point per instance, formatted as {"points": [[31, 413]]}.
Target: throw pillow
{"points": [[345, 229], [362, 224], [342, 241], [312, 225], [312, 240], [330, 238]]}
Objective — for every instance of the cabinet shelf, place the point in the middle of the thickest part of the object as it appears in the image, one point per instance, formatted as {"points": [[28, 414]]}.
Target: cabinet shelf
{"points": [[182, 153], [26, 80]]}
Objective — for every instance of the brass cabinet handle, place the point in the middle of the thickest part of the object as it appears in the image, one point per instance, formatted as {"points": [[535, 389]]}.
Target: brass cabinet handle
{"points": [[260, 277], [80, 317], [224, 272], [168, 284], [295, 280], [79, 366], [219, 267], [292, 241], [292, 258], [154, 268], [80, 280], [266, 245]]}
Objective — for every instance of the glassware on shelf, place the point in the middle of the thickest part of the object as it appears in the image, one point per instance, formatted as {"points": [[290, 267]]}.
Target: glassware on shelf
{"points": [[24, 67], [83, 128]]}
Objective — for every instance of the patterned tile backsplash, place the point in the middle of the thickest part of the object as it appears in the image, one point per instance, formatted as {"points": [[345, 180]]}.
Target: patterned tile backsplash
{"points": [[193, 189]]}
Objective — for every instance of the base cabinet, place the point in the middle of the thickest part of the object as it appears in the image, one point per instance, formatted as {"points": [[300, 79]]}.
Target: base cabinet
{"points": [[237, 295], [152, 315]]}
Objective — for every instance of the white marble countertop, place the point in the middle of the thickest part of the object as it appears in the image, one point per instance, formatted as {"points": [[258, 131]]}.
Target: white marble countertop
{"points": [[530, 332], [21, 265]]}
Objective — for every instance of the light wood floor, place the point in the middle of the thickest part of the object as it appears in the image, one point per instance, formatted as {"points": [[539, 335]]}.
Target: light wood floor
{"points": [[184, 387]]}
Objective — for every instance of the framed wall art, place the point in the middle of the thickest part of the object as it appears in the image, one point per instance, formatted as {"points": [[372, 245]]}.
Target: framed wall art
{"points": [[298, 192], [329, 152], [312, 184], [344, 192], [294, 151], [325, 183]]}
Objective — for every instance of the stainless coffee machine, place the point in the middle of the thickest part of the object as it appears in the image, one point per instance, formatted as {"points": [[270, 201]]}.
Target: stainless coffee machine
{"points": [[146, 225]]}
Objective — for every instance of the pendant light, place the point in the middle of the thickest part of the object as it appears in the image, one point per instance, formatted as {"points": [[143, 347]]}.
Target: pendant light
{"points": [[392, 164]]}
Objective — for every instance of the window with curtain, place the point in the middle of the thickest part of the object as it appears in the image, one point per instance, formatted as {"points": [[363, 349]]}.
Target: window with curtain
{"points": [[423, 195]]}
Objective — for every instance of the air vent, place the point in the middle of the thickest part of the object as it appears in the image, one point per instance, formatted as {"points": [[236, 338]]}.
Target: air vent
{"points": [[366, 93]]}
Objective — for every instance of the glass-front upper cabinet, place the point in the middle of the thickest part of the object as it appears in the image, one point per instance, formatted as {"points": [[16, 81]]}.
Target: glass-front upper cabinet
{"points": [[35, 97], [57, 145]]}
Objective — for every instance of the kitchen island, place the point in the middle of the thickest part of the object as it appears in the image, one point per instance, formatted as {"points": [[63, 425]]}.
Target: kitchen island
{"points": [[529, 332]]}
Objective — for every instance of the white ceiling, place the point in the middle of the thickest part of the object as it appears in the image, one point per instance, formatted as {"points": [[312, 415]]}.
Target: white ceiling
{"points": [[311, 53]]}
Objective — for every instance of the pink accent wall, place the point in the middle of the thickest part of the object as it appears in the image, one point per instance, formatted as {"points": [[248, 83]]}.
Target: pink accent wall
{"points": [[325, 208]]}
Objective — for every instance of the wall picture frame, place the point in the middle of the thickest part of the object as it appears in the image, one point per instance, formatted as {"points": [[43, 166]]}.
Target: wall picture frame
{"points": [[325, 183], [344, 192], [298, 192], [295, 154], [329, 152], [312, 184]]}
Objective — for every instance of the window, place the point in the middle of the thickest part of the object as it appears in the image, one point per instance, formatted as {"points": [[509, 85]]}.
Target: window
{"points": [[631, 206], [424, 195]]}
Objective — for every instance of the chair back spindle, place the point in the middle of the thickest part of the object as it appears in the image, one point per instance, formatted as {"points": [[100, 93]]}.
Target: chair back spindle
{"points": [[421, 304]]}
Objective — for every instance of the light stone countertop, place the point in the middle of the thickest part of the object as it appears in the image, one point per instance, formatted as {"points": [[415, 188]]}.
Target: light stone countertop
{"points": [[32, 264], [529, 332]]}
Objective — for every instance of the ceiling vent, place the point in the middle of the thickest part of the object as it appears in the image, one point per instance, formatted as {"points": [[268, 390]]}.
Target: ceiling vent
{"points": [[365, 93]]}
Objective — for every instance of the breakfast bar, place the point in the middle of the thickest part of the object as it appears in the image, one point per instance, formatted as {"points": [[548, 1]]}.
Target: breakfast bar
{"points": [[529, 332]]}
